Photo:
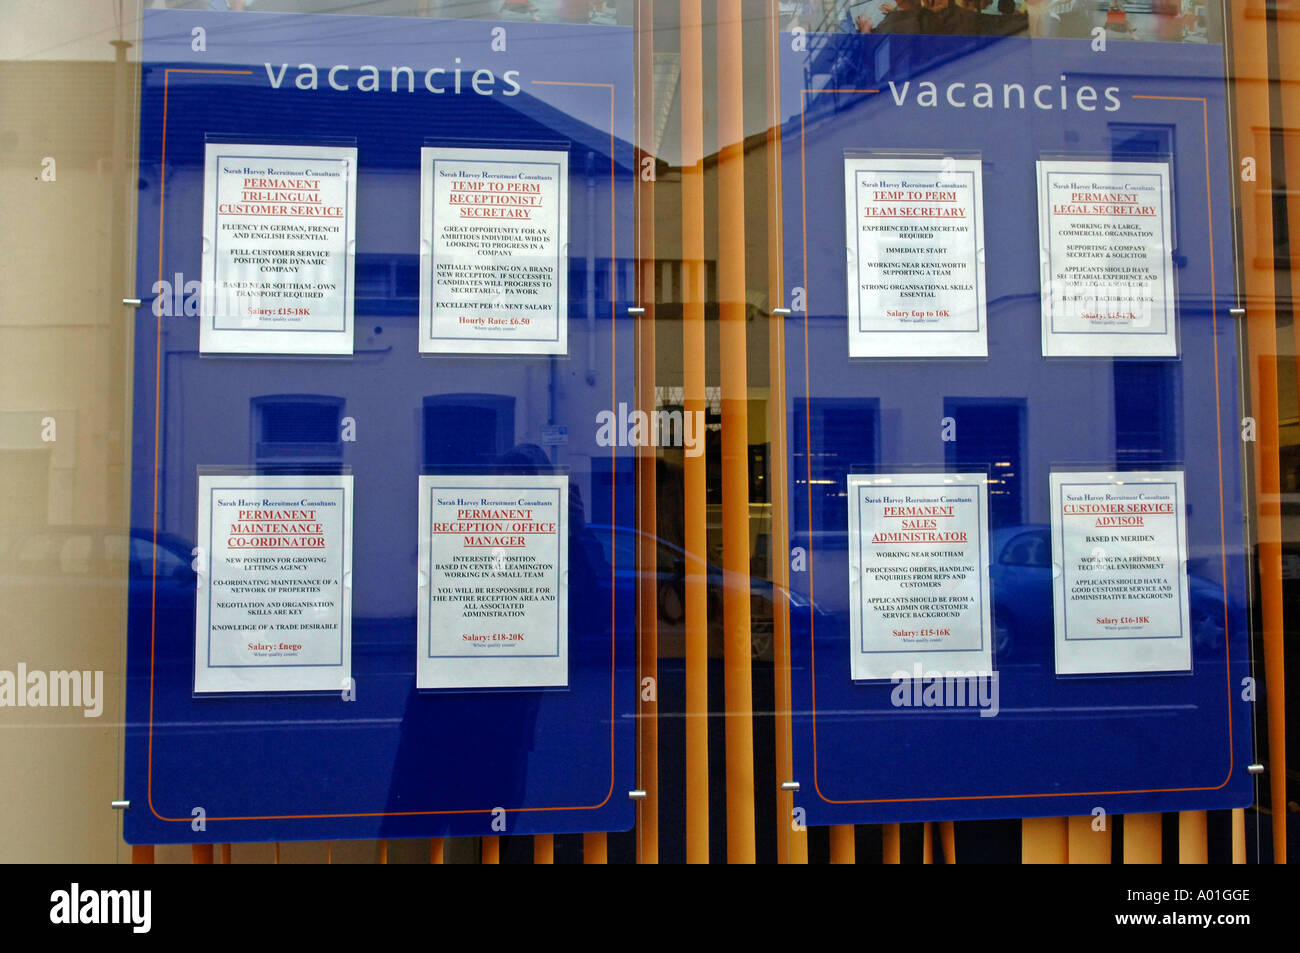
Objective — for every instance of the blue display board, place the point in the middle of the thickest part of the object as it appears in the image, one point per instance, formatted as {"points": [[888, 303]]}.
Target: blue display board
{"points": [[394, 761], [1057, 745]]}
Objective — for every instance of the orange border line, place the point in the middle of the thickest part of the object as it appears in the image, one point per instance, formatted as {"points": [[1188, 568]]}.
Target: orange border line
{"points": [[613, 598], [1219, 437]]}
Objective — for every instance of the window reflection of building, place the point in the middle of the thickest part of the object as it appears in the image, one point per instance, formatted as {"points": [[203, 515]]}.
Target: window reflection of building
{"points": [[1146, 413], [1144, 141], [991, 435], [304, 430], [467, 430], [26, 500], [832, 438]]}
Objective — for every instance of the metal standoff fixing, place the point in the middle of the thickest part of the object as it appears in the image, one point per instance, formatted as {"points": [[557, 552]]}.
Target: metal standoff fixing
{"points": [[1237, 312], [637, 795], [120, 805], [782, 311], [636, 310], [1254, 769], [132, 302], [789, 785]]}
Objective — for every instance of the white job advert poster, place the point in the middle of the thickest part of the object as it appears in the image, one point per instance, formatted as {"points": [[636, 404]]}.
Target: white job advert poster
{"points": [[915, 232], [1107, 267], [494, 563], [919, 574], [1119, 543], [274, 584], [494, 251], [278, 249]]}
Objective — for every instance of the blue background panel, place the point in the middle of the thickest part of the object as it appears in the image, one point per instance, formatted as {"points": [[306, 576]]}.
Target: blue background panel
{"points": [[395, 762], [1057, 745]]}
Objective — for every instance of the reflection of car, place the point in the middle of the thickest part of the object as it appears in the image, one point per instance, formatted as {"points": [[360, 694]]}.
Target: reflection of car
{"points": [[77, 578], [1021, 579], [95, 556], [518, 10], [670, 584]]}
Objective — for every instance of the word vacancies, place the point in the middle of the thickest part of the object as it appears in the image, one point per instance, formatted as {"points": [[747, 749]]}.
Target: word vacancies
{"points": [[24, 689], [982, 96], [659, 428], [437, 80], [75, 905]]}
